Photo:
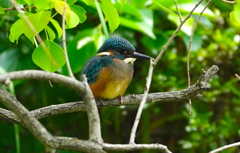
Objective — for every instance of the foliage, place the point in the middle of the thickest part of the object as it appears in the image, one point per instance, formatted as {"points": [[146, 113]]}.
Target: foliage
{"points": [[148, 25]]}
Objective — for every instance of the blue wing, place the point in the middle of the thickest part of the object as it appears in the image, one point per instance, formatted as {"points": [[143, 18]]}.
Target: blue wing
{"points": [[93, 67]]}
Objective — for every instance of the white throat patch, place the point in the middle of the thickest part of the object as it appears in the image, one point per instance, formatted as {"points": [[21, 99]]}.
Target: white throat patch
{"points": [[129, 60]]}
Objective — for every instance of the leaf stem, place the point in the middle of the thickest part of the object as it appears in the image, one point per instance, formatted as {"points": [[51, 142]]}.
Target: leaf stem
{"points": [[64, 41], [101, 17]]}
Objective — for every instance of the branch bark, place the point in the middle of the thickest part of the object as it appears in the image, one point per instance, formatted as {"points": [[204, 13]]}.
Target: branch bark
{"points": [[225, 147], [182, 95], [42, 75], [131, 147]]}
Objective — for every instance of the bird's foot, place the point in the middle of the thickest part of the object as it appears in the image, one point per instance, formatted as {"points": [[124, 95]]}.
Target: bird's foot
{"points": [[120, 99], [100, 100]]}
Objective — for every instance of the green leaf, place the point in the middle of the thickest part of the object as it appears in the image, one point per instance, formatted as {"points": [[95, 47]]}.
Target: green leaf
{"points": [[196, 42], [57, 27], [14, 59], [145, 25], [59, 5], [16, 30], [71, 1], [122, 2], [170, 4], [29, 2], [1, 10], [21, 2], [42, 5], [81, 13], [88, 2], [131, 10], [9, 59], [49, 59], [38, 20], [187, 7], [72, 19], [51, 33], [111, 15], [234, 15], [138, 3]]}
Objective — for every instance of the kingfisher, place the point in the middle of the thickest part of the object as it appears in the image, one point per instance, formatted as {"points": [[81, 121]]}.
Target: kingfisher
{"points": [[110, 72]]}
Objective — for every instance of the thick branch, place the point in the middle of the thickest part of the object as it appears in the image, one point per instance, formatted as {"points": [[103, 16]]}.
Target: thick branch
{"points": [[40, 132], [182, 95], [42, 75], [35, 127], [93, 115]]}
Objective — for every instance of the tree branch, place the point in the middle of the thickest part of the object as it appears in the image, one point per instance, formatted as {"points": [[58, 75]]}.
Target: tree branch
{"points": [[130, 147], [175, 33], [237, 76], [33, 125], [230, 2], [64, 40], [93, 115], [142, 103], [182, 95], [189, 49], [40, 132], [42, 75], [225, 147], [179, 13]]}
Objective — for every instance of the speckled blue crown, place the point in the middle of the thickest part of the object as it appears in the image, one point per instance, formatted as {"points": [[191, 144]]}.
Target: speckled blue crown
{"points": [[116, 44]]}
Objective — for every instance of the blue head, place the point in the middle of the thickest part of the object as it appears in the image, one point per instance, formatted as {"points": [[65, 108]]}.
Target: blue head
{"points": [[121, 48]]}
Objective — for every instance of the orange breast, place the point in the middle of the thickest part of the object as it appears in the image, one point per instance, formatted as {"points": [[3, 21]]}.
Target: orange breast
{"points": [[113, 80]]}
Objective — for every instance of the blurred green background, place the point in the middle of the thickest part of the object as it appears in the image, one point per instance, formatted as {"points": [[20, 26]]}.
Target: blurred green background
{"points": [[147, 25]]}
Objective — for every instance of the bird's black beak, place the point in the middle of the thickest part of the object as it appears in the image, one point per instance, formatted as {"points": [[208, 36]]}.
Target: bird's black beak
{"points": [[139, 55]]}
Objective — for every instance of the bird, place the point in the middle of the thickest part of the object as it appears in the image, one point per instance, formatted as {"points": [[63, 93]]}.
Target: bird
{"points": [[110, 71]]}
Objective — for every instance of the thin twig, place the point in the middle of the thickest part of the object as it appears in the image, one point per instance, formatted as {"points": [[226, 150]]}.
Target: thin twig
{"points": [[179, 13], [189, 49], [225, 147], [237, 76], [230, 2], [64, 41], [174, 34], [140, 109]]}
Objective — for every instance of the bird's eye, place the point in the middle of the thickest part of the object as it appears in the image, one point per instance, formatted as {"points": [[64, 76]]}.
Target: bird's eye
{"points": [[127, 52], [130, 52]]}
